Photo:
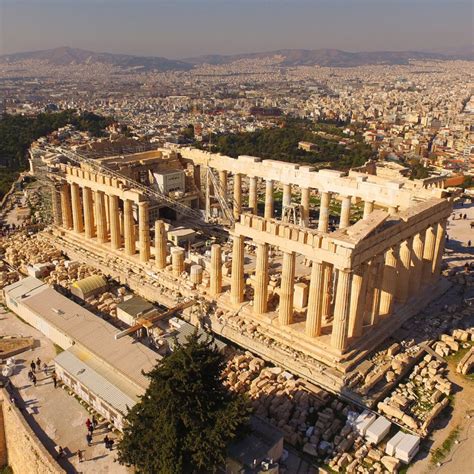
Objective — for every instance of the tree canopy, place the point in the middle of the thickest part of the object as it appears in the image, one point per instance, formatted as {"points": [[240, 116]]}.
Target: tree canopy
{"points": [[281, 143], [187, 417], [18, 132]]}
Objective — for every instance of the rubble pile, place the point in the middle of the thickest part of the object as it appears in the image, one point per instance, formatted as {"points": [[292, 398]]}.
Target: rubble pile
{"points": [[466, 363], [364, 459], [421, 398], [7, 275], [449, 344], [385, 366], [107, 302], [316, 420], [65, 274], [22, 250]]}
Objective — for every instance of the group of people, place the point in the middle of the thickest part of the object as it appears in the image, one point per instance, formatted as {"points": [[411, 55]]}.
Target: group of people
{"points": [[35, 367], [91, 425]]}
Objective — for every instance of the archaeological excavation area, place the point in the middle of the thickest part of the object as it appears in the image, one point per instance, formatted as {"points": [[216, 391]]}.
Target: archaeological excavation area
{"points": [[310, 269]]}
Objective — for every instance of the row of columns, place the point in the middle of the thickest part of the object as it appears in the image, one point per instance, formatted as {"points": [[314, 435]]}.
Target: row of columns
{"points": [[326, 197], [98, 215], [361, 296]]}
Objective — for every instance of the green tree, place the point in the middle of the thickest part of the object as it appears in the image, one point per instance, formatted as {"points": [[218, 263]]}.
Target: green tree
{"points": [[187, 417]]}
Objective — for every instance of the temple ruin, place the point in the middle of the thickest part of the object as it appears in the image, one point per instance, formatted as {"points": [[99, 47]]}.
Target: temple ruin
{"points": [[315, 294]]}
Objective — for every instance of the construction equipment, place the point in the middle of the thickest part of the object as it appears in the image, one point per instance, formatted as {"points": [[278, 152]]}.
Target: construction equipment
{"points": [[152, 194], [148, 323]]}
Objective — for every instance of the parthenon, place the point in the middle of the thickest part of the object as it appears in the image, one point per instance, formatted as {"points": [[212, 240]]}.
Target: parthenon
{"points": [[330, 286]]}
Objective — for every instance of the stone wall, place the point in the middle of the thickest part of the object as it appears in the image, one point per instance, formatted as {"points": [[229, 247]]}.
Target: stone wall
{"points": [[25, 452]]}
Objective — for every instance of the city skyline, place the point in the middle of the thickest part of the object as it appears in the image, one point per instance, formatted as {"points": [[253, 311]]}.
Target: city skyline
{"points": [[184, 29]]}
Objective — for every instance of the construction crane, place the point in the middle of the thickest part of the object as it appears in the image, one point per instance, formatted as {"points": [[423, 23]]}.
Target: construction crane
{"points": [[152, 194], [219, 194], [148, 323]]}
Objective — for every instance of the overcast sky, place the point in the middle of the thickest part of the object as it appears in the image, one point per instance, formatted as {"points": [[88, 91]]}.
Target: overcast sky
{"points": [[183, 28]]}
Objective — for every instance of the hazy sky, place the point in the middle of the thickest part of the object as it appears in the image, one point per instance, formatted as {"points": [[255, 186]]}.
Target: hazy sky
{"points": [[181, 28]]}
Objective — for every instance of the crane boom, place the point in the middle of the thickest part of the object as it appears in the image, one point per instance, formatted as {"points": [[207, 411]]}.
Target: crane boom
{"points": [[149, 322]]}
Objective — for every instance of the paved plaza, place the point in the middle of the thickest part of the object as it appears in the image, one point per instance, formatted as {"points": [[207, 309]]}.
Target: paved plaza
{"points": [[55, 416]]}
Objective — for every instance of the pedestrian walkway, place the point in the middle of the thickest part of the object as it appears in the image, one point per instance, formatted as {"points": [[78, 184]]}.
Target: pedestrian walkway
{"points": [[57, 418]]}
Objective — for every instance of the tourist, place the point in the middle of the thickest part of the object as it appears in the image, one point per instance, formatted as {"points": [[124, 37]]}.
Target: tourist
{"points": [[106, 441], [60, 452], [33, 366], [111, 444], [468, 243], [465, 216], [89, 439], [38, 363], [80, 455], [33, 379], [55, 381], [45, 368], [30, 376], [88, 424], [91, 428]]}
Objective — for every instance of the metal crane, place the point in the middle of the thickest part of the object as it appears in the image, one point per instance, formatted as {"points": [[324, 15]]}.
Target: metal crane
{"points": [[147, 191]]}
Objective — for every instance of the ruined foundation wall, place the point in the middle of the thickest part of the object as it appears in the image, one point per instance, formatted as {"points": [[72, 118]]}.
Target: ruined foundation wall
{"points": [[24, 451]]}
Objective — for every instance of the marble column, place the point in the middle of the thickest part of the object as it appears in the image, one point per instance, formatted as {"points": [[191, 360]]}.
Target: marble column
{"points": [[429, 254], [286, 195], [345, 212], [237, 285], [327, 292], [160, 245], [341, 310], [237, 196], [389, 282], [129, 227], [177, 261], [377, 275], [285, 312], [197, 176], [144, 231], [88, 213], [260, 301], [324, 212], [268, 199], [404, 263], [66, 210], [114, 220], [305, 206], [107, 212], [223, 182], [77, 219], [101, 220], [439, 248], [253, 194], [417, 263], [216, 270], [315, 300], [56, 207], [358, 301], [368, 208]]}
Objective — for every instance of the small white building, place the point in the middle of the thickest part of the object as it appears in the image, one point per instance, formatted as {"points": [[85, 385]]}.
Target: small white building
{"points": [[377, 430], [363, 421], [170, 181], [403, 446], [104, 372]]}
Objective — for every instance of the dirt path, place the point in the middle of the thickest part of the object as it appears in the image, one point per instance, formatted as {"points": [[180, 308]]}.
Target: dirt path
{"points": [[460, 460]]}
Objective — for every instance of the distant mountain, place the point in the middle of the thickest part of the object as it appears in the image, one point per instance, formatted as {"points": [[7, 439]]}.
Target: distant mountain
{"points": [[65, 56], [325, 57], [285, 57]]}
